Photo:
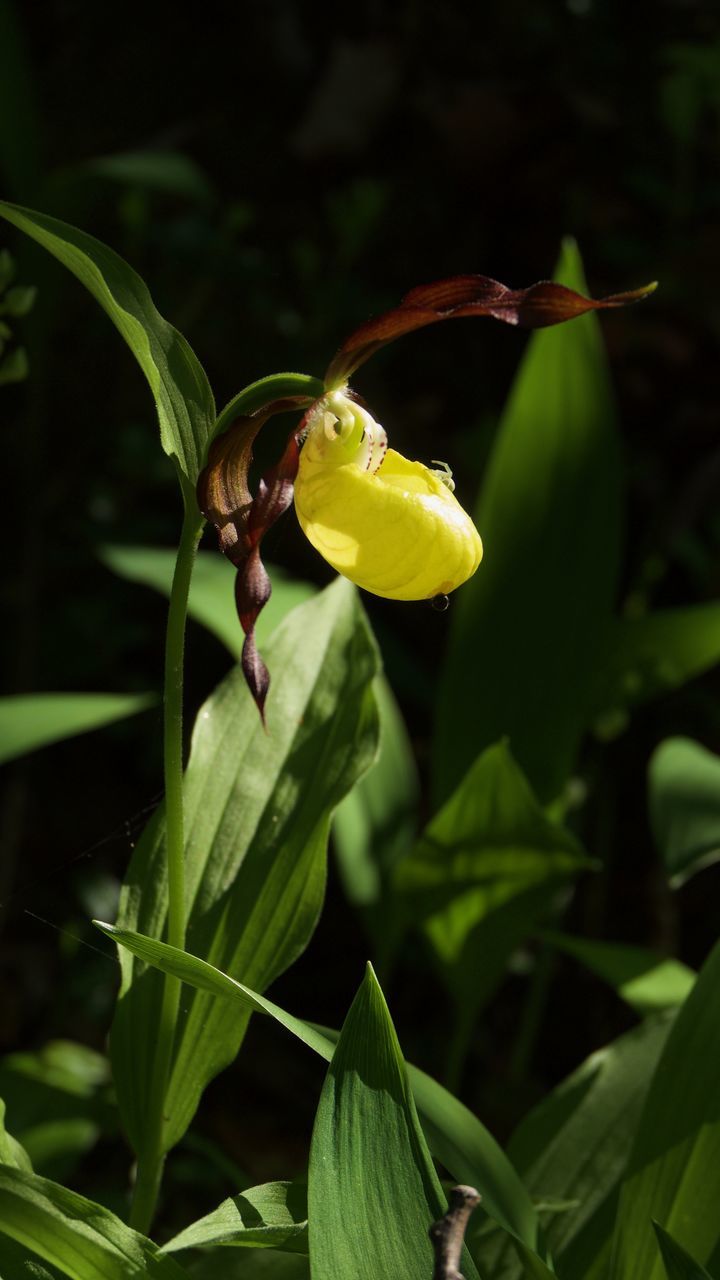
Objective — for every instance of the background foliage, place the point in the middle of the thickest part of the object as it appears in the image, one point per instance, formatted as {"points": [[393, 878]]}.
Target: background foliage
{"points": [[276, 190]]}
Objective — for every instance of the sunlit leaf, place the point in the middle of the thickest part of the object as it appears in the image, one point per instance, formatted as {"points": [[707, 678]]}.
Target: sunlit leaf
{"points": [[82, 1239], [273, 1215], [257, 812], [211, 601], [526, 631], [12, 1152], [183, 399], [33, 720], [486, 869], [684, 803], [373, 1192], [647, 981], [673, 1175], [456, 1137], [572, 1150]]}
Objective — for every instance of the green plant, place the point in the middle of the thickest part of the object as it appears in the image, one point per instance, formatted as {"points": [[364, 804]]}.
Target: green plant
{"points": [[616, 1172]]}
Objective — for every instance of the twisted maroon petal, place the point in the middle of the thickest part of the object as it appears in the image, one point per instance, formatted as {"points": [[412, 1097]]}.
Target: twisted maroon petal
{"points": [[242, 520], [540, 305]]}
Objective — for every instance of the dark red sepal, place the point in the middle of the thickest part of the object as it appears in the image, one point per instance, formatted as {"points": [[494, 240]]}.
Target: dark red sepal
{"points": [[540, 305], [242, 520]]}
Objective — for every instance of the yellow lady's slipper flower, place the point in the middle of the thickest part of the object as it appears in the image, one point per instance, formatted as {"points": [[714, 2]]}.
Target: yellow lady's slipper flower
{"points": [[391, 526]]}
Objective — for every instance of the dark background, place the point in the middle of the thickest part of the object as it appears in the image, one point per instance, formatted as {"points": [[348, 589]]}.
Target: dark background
{"points": [[319, 163]]}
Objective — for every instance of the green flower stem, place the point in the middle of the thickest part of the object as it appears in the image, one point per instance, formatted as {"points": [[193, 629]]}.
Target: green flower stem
{"points": [[258, 394], [151, 1162]]}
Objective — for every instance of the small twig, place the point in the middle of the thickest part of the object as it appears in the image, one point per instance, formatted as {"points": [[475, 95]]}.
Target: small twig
{"points": [[448, 1234]]}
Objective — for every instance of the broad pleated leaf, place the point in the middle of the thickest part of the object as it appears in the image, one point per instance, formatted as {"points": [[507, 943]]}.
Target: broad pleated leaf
{"points": [[674, 1171], [526, 632], [644, 657], [375, 823], [373, 1192], [211, 601], [29, 721], [572, 1151], [456, 1137], [183, 399], [487, 867], [258, 807], [684, 803], [676, 1260], [271, 1216], [647, 981], [82, 1239]]}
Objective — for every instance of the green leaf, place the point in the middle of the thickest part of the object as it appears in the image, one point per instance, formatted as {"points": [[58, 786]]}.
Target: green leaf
{"points": [[526, 632], [33, 720], [674, 1171], [19, 300], [257, 812], [648, 982], [644, 657], [82, 1239], [155, 170], [18, 1263], [270, 1216], [684, 803], [14, 367], [573, 1148], [183, 399], [487, 867], [59, 1102], [677, 1261], [212, 590], [12, 1152], [373, 1192], [457, 1137]]}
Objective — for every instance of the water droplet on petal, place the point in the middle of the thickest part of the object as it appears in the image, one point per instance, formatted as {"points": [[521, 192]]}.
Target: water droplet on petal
{"points": [[440, 603]]}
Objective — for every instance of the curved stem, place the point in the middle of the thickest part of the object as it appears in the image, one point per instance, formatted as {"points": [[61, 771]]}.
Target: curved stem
{"points": [[152, 1159], [258, 394]]}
